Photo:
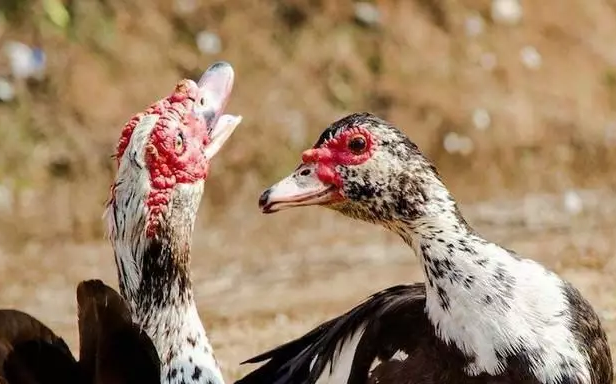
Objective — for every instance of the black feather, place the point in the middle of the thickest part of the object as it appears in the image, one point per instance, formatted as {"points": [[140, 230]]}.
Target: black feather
{"points": [[290, 362], [112, 348]]}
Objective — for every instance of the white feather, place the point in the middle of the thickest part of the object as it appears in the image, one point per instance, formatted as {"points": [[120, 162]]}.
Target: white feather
{"points": [[340, 370], [175, 330], [533, 316]]}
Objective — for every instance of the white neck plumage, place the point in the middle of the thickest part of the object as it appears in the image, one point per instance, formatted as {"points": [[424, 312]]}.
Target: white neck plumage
{"points": [[491, 304], [154, 276]]}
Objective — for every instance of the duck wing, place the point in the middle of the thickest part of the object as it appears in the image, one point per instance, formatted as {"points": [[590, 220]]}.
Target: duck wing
{"points": [[343, 349], [113, 349], [32, 353]]}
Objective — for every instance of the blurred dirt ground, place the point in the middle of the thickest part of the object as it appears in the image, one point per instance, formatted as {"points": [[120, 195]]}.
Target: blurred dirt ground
{"points": [[257, 288], [535, 167]]}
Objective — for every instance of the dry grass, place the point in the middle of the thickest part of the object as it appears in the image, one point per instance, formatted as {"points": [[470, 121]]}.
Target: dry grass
{"points": [[301, 64]]}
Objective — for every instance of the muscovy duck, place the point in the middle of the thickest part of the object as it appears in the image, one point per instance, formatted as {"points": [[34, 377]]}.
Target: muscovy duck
{"points": [[483, 315], [163, 160], [151, 333]]}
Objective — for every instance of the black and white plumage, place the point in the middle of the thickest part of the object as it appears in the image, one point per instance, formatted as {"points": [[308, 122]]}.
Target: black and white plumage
{"points": [[484, 314], [163, 158], [152, 332]]}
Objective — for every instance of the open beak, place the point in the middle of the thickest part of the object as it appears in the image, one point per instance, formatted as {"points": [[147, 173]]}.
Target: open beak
{"points": [[215, 88], [301, 188], [223, 129]]}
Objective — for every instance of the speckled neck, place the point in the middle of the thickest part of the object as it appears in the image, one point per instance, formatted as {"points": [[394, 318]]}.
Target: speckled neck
{"points": [[154, 278], [449, 253], [495, 307]]}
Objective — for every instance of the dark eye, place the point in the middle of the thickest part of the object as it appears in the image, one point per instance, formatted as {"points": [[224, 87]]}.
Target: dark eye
{"points": [[305, 172], [179, 143], [357, 144]]}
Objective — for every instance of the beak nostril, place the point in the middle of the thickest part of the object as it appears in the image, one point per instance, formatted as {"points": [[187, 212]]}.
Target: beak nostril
{"points": [[264, 198]]}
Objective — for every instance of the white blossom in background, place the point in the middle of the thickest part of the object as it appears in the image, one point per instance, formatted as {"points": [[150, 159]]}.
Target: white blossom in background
{"points": [[466, 145], [450, 142], [455, 143], [474, 25], [531, 58], [185, 7], [208, 42], [25, 62], [506, 12], [367, 13], [7, 91], [481, 119], [488, 61], [573, 202]]}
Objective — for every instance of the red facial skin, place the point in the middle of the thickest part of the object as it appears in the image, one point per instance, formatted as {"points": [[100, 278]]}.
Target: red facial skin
{"points": [[336, 151], [168, 163]]}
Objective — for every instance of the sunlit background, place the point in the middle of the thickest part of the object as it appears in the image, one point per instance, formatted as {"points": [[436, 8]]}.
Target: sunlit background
{"points": [[515, 101]]}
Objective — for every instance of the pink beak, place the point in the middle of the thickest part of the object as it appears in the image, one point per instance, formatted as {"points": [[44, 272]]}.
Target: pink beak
{"points": [[215, 88]]}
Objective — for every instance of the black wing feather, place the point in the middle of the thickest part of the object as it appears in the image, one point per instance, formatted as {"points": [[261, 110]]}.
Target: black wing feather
{"points": [[291, 362], [113, 349], [32, 353]]}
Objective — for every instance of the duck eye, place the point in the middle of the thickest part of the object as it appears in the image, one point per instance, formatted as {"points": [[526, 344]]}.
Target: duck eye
{"points": [[357, 144], [179, 143]]}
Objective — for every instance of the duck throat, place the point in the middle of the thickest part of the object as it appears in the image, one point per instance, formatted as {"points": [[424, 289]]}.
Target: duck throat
{"points": [[154, 278], [165, 308], [498, 309]]}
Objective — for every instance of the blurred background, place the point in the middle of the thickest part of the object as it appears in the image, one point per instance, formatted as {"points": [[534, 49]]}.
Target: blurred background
{"points": [[515, 101]]}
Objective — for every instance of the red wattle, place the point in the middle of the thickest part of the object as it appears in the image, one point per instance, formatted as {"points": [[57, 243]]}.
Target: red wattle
{"points": [[166, 167], [328, 175]]}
